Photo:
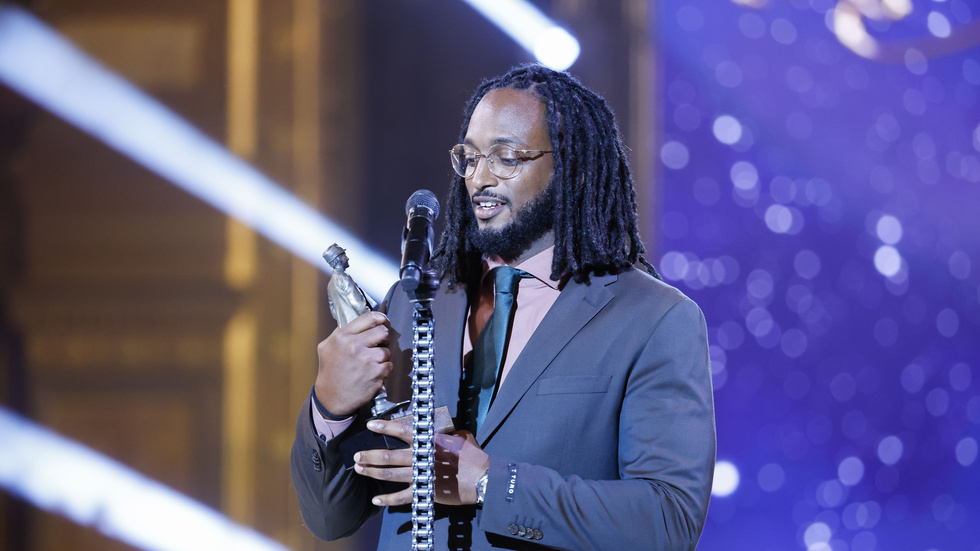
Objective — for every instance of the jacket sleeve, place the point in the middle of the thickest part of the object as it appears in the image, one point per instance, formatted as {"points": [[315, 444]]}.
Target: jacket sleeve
{"points": [[666, 454], [334, 501]]}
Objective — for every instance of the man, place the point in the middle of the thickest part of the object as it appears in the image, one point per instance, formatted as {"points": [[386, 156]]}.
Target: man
{"points": [[600, 428]]}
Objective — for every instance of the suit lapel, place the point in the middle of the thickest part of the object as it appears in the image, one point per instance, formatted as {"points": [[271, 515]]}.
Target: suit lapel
{"points": [[576, 305], [449, 312]]}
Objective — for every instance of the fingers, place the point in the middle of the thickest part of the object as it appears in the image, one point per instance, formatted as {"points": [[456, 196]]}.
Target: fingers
{"points": [[368, 331], [459, 463], [375, 336], [366, 321], [384, 458], [351, 364], [389, 465], [403, 497], [391, 428]]}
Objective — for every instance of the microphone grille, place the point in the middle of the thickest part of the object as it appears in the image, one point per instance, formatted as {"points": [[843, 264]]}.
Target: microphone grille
{"points": [[423, 198]]}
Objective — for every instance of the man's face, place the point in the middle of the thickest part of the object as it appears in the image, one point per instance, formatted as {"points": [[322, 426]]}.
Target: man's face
{"points": [[506, 211], [515, 118]]}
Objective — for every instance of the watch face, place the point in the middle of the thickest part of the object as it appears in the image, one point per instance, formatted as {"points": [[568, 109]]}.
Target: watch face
{"points": [[481, 488]]}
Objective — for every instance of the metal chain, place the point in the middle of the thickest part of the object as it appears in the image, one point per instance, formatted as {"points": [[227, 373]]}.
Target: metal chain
{"points": [[423, 447]]}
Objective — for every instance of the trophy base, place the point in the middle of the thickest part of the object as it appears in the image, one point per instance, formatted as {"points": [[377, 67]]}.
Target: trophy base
{"points": [[367, 440]]}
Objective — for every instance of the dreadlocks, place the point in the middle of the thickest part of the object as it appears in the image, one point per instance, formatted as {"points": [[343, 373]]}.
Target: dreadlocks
{"points": [[595, 222]]}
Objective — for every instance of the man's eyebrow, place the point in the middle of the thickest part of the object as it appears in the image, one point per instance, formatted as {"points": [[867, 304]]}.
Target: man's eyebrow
{"points": [[502, 139], [508, 140]]}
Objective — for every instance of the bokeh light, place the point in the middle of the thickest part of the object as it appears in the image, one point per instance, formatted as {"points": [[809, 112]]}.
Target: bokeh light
{"points": [[726, 479], [838, 146]]}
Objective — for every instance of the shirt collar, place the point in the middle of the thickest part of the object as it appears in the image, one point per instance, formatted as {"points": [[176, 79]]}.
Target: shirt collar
{"points": [[538, 266]]}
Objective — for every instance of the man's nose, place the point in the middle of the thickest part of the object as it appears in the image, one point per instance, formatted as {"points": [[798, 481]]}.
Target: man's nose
{"points": [[482, 177]]}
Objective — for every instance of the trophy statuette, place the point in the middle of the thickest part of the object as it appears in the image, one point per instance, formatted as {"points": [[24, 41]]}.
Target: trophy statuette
{"points": [[348, 301]]}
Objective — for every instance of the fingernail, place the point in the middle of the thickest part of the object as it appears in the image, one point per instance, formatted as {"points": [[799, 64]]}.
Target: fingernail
{"points": [[376, 501], [374, 425], [357, 457]]}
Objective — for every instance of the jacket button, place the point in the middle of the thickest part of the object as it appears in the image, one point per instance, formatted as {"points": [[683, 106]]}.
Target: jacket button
{"points": [[538, 534], [513, 529], [529, 534], [317, 464], [521, 531]]}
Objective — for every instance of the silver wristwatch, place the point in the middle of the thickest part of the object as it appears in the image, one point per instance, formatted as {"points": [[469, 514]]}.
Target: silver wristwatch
{"points": [[481, 488]]}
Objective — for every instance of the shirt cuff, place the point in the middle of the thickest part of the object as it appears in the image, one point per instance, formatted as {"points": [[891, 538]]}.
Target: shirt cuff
{"points": [[325, 428]]}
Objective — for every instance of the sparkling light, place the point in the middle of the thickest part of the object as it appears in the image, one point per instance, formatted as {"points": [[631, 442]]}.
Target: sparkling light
{"points": [[806, 263], [793, 343], [947, 322], [690, 18], [861, 515], [912, 378], [728, 74], [938, 25], [779, 218], [890, 450], [864, 541], [751, 25], [831, 493], [726, 479], [727, 129], [916, 62], [744, 175], [937, 402], [771, 477], [960, 377], [817, 534], [783, 31], [897, 9], [674, 155], [966, 451], [959, 265], [887, 260], [850, 31], [850, 471], [889, 229], [759, 284]]}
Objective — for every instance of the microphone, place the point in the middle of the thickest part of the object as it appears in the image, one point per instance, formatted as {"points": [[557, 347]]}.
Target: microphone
{"points": [[422, 209]]}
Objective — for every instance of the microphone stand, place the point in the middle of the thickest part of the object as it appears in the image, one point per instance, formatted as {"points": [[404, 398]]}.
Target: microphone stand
{"points": [[423, 409]]}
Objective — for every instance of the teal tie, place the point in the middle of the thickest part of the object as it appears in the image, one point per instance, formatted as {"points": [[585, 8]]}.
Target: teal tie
{"points": [[488, 352]]}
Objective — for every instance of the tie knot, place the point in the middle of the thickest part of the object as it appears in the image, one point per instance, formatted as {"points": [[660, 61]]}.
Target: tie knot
{"points": [[505, 279]]}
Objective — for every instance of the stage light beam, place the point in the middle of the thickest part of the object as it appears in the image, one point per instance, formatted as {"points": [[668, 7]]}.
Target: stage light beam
{"points": [[46, 68], [552, 45], [67, 478]]}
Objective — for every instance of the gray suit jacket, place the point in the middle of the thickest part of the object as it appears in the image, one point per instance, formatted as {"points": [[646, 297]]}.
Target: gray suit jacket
{"points": [[601, 437]]}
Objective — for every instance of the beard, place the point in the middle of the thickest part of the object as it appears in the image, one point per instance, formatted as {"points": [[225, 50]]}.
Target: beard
{"points": [[532, 221]]}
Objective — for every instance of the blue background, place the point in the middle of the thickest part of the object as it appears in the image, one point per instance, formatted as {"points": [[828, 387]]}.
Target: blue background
{"points": [[846, 390]]}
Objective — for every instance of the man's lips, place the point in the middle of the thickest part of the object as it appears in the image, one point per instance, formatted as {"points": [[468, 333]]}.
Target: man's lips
{"points": [[486, 207]]}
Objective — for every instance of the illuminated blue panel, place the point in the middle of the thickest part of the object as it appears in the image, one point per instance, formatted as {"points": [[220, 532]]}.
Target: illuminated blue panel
{"points": [[64, 477], [552, 45], [40, 64]]}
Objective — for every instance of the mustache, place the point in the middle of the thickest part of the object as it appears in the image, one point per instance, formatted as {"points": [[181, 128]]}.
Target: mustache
{"points": [[488, 195]]}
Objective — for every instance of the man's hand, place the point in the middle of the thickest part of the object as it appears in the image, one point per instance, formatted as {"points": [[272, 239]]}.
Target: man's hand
{"points": [[459, 463], [354, 362]]}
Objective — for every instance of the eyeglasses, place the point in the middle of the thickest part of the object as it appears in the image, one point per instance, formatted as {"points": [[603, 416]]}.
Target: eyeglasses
{"points": [[503, 160]]}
